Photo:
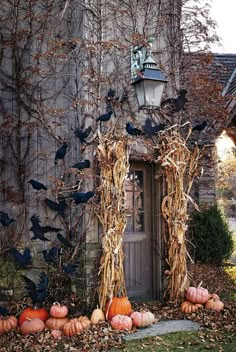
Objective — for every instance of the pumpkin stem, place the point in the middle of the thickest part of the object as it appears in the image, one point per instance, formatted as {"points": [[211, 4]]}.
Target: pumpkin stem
{"points": [[37, 305], [200, 284], [28, 318], [56, 304]]}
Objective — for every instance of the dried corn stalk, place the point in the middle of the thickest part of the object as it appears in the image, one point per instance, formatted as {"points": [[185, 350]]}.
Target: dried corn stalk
{"points": [[180, 168], [113, 158]]}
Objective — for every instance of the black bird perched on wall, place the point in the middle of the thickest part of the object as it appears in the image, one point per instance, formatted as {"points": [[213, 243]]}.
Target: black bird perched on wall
{"points": [[105, 117], [150, 130], [58, 207], [39, 230], [133, 131], [37, 292], [37, 185], [4, 311], [200, 127], [83, 133], [80, 197], [52, 255], [83, 164], [61, 152], [64, 241], [111, 98], [176, 104], [23, 259], [69, 268], [124, 97], [5, 220]]}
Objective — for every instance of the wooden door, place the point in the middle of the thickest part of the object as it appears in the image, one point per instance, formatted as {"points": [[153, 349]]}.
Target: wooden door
{"points": [[138, 266]]}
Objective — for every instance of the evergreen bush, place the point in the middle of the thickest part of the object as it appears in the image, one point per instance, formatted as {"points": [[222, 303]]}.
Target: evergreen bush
{"points": [[211, 236]]}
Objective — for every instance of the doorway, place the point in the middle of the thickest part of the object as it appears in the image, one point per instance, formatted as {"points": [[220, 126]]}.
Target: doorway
{"points": [[140, 266]]}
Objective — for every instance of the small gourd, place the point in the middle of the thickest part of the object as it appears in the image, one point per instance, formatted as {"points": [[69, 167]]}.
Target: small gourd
{"points": [[214, 304], [97, 316]]}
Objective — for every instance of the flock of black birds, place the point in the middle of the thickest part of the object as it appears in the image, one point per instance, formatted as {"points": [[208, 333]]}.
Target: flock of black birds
{"points": [[39, 292]]}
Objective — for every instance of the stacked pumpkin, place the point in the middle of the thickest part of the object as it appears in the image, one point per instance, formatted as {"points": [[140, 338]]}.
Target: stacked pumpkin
{"points": [[199, 297], [121, 316], [32, 320], [60, 322], [58, 317]]}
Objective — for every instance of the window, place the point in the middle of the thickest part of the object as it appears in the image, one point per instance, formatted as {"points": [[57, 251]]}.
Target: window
{"points": [[135, 201]]}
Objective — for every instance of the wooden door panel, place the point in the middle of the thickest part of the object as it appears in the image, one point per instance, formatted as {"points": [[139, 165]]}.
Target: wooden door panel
{"points": [[137, 267]]}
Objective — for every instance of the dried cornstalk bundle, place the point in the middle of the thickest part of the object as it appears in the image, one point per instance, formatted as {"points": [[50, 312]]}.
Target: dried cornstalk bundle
{"points": [[113, 157], [180, 168]]}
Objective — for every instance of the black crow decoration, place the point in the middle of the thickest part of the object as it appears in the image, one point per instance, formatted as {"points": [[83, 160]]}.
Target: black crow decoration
{"points": [[151, 129], [133, 131], [200, 127], [64, 241], [23, 259], [61, 152], [5, 220], [83, 133], [83, 164], [80, 197], [4, 311], [105, 117], [52, 255], [37, 292], [39, 230], [69, 268], [37, 185], [176, 104], [58, 207]]}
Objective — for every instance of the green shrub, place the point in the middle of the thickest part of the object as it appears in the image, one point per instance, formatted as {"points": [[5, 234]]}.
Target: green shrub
{"points": [[211, 236]]}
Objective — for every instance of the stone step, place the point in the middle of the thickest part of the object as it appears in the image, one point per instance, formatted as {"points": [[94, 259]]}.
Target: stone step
{"points": [[162, 328]]}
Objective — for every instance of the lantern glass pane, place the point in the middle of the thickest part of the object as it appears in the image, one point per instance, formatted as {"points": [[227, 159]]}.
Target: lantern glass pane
{"points": [[139, 88], [153, 92]]}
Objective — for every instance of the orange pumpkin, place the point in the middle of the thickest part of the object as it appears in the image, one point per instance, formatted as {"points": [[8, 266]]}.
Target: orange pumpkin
{"points": [[189, 307], [56, 323], [84, 321], [31, 326], [117, 305], [31, 313], [121, 322], [72, 328], [97, 316], [197, 294], [214, 304], [58, 311], [7, 323], [142, 319]]}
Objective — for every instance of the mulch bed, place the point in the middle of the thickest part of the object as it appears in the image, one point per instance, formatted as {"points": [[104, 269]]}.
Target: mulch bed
{"points": [[103, 338]]}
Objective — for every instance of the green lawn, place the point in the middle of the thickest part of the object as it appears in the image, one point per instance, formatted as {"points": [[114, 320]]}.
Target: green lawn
{"points": [[184, 341]]}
